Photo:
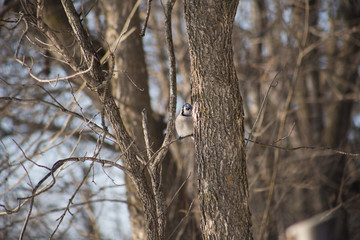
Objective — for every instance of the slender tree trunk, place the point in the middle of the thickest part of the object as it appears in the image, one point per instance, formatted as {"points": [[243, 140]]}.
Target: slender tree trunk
{"points": [[343, 64], [218, 111], [309, 117], [131, 91]]}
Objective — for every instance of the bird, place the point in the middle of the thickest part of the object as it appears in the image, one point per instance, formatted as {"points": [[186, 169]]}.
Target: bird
{"points": [[184, 121]]}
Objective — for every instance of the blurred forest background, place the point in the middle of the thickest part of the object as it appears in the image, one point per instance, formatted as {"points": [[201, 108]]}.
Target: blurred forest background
{"points": [[298, 65]]}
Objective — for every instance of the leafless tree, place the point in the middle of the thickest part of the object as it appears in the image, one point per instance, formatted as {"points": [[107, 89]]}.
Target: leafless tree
{"points": [[88, 96]]}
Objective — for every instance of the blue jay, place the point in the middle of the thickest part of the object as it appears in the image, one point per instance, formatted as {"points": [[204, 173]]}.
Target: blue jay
{"points": [[184, 121]]}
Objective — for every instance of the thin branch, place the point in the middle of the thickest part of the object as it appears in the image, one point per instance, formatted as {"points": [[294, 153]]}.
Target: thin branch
{"points": [[145, 125], [27, 158], [162, 148], [272, 85], [155, 170], [133, 82], [142, 33], [22, 35], [186, 215], [79, 204], [287, 136], [54, 168], [80, 73], [123, 34], [28, 215], [172, 82], [177, 191], [116, 44], [306, 147], [63, 109], [59, 47], [67, 209]]}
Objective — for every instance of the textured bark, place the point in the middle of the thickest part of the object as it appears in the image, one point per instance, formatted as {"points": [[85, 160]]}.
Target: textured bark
{"points": [[53, 15], [219, 131]]}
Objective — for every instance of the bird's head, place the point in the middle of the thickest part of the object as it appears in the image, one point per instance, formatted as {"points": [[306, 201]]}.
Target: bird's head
{"points": [[186, 109]]}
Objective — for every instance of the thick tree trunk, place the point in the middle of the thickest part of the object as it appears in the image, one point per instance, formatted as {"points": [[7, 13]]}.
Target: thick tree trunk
{"points": [[218, 113]]}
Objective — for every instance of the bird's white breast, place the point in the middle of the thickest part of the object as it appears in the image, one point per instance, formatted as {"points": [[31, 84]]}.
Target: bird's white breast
{"points": [[184, 125]]}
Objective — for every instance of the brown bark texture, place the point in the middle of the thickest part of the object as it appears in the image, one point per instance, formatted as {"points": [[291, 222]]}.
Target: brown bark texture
{"points": [[218, 121]]}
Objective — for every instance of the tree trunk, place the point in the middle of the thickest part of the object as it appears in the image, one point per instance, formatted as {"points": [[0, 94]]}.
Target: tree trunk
{"points": [[130, 89], [218, 123]]}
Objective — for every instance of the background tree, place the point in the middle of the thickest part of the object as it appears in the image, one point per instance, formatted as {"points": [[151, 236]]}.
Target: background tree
{"points": [[297, 68]]}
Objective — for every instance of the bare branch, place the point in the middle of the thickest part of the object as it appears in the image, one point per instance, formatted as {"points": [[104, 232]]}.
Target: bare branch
{"points": [[29, 211], [172, 82], [54, 168], [60, 107], [306, 147], [27, 158], [142, 33], [177, 192], [145, 126], [77, 74], [123, 34], [272, 85], [67, 209], [186, 215], [287, 136]]}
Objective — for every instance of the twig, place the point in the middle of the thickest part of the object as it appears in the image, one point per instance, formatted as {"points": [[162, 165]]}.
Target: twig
{"points": [[306, 147], [123, 34], [58, 47], [152, 159], [28, 215], [283, 138], [54, 168], [63, 109], [58, 78], [116, 44], [100, 145], [155, 170], [263, 104], [133, 82], [142, 33], [186, 215], [67, 209], [177, 192], [27, 158], [300, 57]]}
